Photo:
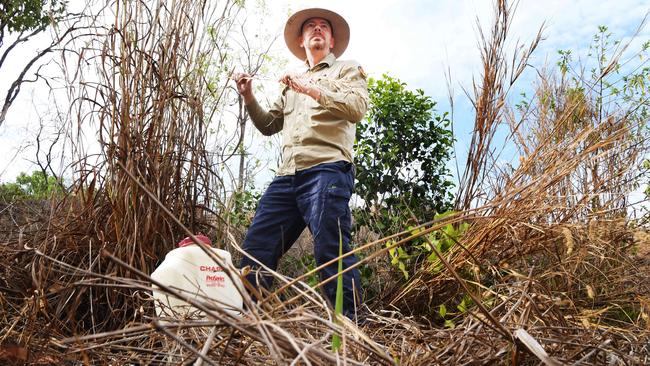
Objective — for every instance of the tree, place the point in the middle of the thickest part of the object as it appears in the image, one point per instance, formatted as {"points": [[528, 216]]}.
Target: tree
{"points": [[34, 186], [401, 154], [21, 15], [26, 18]]}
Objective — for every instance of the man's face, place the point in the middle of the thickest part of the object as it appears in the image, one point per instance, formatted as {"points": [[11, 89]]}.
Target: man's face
{"points": [[316, 35]]}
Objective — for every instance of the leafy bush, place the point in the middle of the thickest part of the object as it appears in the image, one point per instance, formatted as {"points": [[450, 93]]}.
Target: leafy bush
{"points": [[30, 187], [401, 154], [25, 15], [422, 248], [244, 206]]}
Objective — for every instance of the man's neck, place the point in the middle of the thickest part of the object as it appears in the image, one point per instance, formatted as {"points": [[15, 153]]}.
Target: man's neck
{"points": [[314, 57]]}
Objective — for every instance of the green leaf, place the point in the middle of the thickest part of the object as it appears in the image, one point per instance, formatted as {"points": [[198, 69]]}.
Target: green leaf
{"points": [[433, 257], [338, 308], [402, 267], [442, 311], [462, 307]]}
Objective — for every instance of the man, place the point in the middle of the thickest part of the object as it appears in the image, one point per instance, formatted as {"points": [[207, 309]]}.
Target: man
{"points": [[316, 113]]}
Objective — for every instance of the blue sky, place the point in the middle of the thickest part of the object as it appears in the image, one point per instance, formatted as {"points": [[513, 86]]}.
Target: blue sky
{"points": [[414, 40], [417, 41]]}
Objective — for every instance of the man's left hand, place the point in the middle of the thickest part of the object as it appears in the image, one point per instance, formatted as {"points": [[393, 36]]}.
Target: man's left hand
{"points": [[299, 85]]}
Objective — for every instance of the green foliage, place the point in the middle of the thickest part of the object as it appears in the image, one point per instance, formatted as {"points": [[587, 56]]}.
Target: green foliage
{"points": [[606, 89], [244, 207], [26, 15], [11, 192], [368, 277], [442, 240], [600, 84], [401, 154], [465, 303], [30, 187], [447, 316], [338, 307], [398, 257], [564, 61], [624, 89], [442, 312], [296, 265]]}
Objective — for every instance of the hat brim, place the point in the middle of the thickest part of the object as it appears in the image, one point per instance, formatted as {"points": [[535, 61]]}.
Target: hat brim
{"points": [[293, 30]]}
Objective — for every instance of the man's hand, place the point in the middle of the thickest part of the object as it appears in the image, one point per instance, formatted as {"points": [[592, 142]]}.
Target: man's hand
{"points": [[301, 86], [245, 86]]}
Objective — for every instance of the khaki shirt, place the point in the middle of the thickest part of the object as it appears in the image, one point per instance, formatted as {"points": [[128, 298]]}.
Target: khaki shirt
{"points": [[317, 132]]}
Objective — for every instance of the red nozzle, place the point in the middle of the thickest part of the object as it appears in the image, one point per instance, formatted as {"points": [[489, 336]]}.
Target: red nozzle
{"points": [[188, 241]]}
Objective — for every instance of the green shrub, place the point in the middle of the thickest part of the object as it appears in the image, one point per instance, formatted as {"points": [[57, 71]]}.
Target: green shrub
{"points": [[36, 186]]}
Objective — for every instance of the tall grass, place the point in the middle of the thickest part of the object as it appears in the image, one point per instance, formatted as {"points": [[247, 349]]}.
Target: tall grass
{"points": [[545, 259]]}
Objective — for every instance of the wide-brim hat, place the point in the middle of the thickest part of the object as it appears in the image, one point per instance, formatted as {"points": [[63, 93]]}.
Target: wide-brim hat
{"points": [[293, 30]]}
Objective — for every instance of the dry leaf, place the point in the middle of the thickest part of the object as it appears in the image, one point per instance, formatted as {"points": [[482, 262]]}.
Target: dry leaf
{"points": [[13, 353], [568, 238]]}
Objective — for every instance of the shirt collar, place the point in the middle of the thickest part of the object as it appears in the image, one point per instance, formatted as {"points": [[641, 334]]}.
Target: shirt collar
{"points": [[327, 60]]}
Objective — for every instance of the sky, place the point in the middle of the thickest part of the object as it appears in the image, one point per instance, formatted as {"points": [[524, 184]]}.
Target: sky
{"points": [[416, 41]]}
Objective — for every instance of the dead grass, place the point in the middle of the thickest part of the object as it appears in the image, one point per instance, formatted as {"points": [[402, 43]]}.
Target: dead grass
{"points": [[550, 261]]}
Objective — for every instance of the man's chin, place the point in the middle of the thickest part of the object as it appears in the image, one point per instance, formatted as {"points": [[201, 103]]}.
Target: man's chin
{"points": [[317, 46]]}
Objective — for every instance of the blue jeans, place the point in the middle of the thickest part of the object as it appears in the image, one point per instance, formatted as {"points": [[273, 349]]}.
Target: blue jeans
{"points": [[317, 198]]}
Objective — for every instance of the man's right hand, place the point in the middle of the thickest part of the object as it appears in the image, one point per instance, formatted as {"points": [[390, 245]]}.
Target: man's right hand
{"points": [[244, 86]]}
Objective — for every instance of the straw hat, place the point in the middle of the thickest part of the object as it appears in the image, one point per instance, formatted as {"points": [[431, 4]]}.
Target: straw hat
{"points": [[293, 30]]}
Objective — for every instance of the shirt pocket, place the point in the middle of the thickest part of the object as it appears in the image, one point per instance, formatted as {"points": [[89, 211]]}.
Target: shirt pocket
{"points": [[327, 84]]}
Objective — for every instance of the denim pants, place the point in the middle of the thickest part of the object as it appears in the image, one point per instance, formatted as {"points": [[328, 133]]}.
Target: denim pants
{"points": [[317, 198]]}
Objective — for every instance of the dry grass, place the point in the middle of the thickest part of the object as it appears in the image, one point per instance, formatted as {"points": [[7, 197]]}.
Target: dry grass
{"points": [[550, 251]]}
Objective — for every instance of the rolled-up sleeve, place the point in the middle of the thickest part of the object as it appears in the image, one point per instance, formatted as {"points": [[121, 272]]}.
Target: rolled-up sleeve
{"points": [[267, 122], [346, 97]]}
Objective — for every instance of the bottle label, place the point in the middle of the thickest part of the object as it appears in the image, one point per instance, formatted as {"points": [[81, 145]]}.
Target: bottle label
{"points": [[215, 281], [210, 269]]}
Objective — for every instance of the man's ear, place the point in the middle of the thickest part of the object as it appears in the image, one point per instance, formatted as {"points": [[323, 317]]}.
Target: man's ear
{"points": [[331, 43], [300, 40]]}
